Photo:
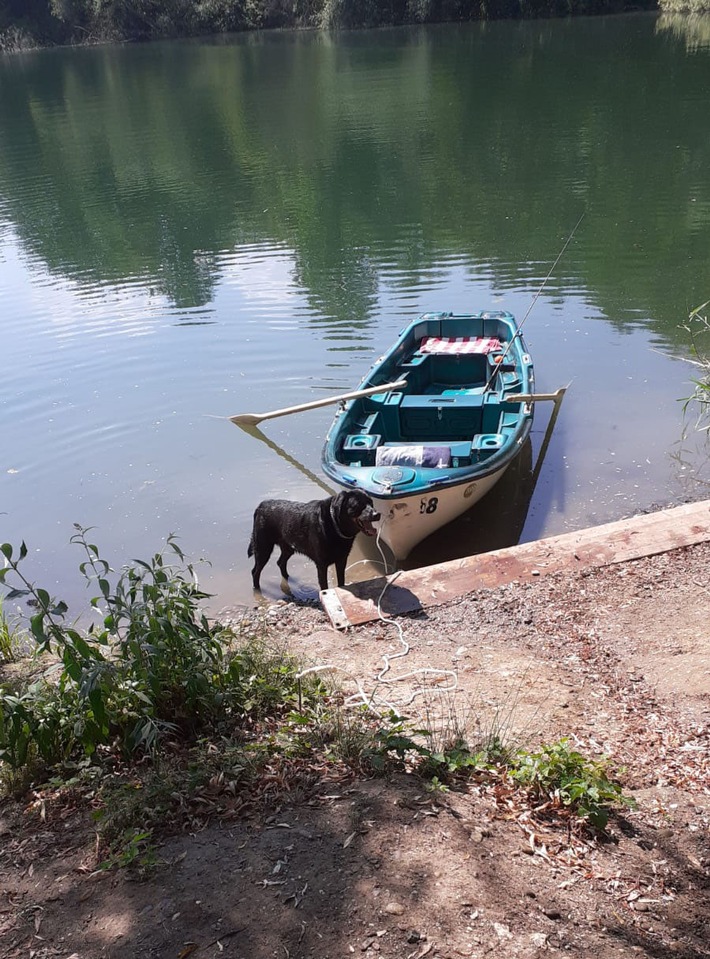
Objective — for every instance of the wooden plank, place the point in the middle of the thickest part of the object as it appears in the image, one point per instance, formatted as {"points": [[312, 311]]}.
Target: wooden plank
{"points": [[618, 542]]}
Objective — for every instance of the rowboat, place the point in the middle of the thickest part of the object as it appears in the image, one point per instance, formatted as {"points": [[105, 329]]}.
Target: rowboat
{"points": [[455, 409]]}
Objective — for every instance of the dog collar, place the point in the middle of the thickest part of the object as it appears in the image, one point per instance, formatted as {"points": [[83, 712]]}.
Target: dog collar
{"points": [[338, 530]]}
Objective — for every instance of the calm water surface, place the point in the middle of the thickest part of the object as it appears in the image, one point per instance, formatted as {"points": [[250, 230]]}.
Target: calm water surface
{"points": [[191, 230]]}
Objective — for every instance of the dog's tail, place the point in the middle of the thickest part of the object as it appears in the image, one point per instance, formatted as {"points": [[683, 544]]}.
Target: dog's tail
{"points": [[250, 547]]}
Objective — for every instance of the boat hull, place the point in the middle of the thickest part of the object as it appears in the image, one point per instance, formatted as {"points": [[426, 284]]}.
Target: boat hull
{"points": [[407, 520]]}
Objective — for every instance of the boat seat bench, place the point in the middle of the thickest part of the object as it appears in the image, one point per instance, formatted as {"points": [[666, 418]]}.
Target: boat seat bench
{"points": [[457, 415], [423, 369], [359, 450]]}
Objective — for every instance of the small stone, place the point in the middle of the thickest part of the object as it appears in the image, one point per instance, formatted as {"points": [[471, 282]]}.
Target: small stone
{"points": [[394, 908], [503, 932]]}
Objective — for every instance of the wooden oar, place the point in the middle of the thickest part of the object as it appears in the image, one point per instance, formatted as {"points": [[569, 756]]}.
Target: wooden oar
{"points": [[252, 419], [534, 397]]}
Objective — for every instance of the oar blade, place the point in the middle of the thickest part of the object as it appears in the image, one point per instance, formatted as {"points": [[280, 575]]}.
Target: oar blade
{"points": [[246, 419]]}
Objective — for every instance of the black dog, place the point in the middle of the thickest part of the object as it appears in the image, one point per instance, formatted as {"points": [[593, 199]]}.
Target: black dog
{"points": [[323, 530]]}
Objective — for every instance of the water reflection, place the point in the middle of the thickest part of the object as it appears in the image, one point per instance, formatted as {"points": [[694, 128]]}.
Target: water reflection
{"points": [[255, 433], [694, 29], [373, 157]]}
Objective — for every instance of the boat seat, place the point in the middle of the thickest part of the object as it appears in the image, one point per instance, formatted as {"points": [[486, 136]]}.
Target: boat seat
{"points": [[446, 418], [386, 405], [499, 360], [447, 399]]}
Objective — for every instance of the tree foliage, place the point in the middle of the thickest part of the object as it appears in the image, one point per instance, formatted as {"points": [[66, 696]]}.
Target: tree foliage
{"points": [[23, 22]]}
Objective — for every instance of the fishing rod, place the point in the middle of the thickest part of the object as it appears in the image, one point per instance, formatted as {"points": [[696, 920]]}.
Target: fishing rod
{"points": [[518, 332]]}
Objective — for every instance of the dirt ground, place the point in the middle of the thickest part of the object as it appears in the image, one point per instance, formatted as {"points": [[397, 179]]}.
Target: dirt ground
{"points": [[617, 659]]}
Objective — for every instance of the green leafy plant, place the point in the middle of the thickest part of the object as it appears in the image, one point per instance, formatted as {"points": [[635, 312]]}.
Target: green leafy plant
{"points": [[392, 743], [133, 848], [698, 327], [559, 776], [155, 666]]}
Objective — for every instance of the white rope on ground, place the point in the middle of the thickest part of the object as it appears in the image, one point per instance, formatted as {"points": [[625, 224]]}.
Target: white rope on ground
{"points": [[361, 698]]}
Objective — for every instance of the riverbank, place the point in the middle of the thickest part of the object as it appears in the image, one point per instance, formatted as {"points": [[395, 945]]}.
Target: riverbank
{"points": [[615, 658]]}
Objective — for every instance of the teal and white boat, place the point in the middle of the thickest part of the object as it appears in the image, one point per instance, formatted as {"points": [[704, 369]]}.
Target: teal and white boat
{"points": [[455, 409]]}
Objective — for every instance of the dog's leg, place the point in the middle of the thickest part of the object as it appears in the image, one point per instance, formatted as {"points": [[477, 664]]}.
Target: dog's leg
{"points": [[286, 554], [322, 576], [262, 554], [340, 571]]}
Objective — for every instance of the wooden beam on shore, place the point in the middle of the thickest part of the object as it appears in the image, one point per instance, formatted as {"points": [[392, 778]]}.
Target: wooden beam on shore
{"points": [[414, 589]]}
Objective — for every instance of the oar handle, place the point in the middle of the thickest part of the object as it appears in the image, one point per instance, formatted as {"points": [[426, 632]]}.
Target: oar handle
{"points": [[533, 397], [252, 419]]}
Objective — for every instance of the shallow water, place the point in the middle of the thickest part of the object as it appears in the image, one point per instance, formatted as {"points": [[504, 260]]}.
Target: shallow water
{"points": [[191, 230]]}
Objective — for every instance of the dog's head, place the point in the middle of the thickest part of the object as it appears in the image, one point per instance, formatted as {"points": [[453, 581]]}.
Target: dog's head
{"points": [[356, 512]]}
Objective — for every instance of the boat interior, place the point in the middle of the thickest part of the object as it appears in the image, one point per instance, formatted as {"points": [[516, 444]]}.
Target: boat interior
{"points": [[455, 409]]}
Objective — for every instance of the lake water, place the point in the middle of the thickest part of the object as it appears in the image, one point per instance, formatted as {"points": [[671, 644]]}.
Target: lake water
{"points": [[191, 230]]}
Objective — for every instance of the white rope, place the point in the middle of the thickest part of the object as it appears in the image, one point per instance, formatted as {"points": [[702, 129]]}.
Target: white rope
{"points": [[361, 698]]}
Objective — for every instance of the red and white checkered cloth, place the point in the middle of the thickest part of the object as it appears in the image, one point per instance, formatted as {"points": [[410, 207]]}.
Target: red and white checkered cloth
{"points": [[459, 344]]}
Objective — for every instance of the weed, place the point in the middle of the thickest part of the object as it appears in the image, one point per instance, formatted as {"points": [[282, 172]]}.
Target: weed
{"points": [[698, 328], [436, 785], [345, 736], [133, 848], [392, 744], [7, 639], [560, 776]]}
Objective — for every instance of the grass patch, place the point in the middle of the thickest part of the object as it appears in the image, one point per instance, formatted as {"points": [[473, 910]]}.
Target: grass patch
{"points": [[8, 640]]}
